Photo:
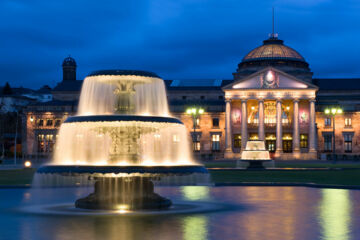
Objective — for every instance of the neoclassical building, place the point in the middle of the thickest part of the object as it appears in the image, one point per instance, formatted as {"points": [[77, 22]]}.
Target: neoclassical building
{"points": [[272, 96], [272, 106]]}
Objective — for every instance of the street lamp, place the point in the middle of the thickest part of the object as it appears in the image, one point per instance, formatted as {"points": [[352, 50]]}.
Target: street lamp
{"points": [[333, 112], [195, 112]]}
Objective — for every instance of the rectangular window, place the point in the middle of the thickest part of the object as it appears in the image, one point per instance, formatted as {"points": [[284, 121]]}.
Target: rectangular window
{"points": [[196, 141], [49, 144], [215, 142], [215, 122], [303, 140], [237, 140], [49, 122], [328, 143], [347, 122], [327, 122], [40, 122], [57, 122], [348, 142], [184, 97], [197, 123], [41, 143]]}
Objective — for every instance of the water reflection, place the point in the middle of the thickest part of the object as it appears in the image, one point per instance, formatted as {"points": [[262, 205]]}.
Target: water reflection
{"points": [[291, 213], [195, 193], [195, 228], [335, 214]]}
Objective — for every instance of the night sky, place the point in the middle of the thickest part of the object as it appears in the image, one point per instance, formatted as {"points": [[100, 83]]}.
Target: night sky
{"points": [[190, 39]]}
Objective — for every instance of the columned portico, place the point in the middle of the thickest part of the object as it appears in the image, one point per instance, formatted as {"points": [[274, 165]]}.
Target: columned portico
{"points": [[261, 120], [275, 107], [244, 134], [296, 133], [278, 129], [312, 147], [228, 133]]}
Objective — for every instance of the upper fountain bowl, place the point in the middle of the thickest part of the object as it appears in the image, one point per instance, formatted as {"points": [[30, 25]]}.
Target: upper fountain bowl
{"points": [[118, 72]]}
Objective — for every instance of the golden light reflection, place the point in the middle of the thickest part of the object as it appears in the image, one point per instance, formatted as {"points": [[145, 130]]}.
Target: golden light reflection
{"points": [[195, 193], [195, 228], [335, 214]]}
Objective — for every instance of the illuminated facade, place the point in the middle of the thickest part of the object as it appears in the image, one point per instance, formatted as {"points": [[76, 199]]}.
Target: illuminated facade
{"points": [[273, 106], [272, 97]]}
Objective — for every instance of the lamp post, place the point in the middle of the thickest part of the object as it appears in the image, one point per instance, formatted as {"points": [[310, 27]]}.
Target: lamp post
{"points": [[195, 112], [333, 112]]}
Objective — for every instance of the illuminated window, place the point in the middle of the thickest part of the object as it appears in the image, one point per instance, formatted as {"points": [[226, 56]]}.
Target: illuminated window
{"points": [[348, 142], [215, 122], [196, 141], [347, 122], [41, 143], [49, 122], [237, 141], [327, 122], [215, 142], [303, 140], [57, 122], [40, 122], [328, 142], [197, 123]]}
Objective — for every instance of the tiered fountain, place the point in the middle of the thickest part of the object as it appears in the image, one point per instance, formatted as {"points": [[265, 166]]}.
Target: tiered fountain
{"points": [[123, 141], [255, 155]]}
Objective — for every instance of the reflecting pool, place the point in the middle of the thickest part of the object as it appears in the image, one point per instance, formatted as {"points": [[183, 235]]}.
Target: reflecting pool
{"points": [[256, 213]]}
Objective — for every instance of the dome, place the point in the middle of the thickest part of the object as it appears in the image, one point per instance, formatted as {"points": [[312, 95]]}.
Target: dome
{"points": [[69, 61], [273, 53], [273, 49]]}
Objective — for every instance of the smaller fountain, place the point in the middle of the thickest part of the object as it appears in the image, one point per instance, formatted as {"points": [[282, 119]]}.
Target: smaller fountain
{"points": [[255, 155]]}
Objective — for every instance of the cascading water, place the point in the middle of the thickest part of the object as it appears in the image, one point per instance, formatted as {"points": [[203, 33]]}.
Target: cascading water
{"points": [[123, 141]]}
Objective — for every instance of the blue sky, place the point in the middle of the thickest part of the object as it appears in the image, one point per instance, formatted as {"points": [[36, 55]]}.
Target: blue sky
{"points": [[189, 39]]}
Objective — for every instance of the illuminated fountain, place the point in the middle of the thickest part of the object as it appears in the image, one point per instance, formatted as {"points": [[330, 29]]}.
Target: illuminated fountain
{"points": [[255, 154], [122, 141]]}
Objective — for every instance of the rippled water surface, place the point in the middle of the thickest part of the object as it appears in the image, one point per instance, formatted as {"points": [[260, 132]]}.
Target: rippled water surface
{"points": [[289, 213]]}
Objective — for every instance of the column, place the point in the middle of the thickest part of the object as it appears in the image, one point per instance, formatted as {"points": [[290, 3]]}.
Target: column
{"points": [[261, 131], [278, 151], [312, 148], [243, 124], [228, 134], [296, 134]]}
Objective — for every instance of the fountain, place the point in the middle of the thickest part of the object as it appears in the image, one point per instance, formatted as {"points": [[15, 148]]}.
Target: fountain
{"points": [[122, 141], [255, 155]]}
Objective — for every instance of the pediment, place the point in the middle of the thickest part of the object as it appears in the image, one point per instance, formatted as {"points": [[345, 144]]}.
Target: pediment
{"points": [[269, 78]]}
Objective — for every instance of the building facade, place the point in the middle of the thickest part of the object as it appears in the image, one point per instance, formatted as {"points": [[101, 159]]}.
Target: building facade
{"points": [[272, 97]]}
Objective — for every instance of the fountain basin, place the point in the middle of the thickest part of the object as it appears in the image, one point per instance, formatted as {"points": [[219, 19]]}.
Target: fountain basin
{"points": [[90, 169]]}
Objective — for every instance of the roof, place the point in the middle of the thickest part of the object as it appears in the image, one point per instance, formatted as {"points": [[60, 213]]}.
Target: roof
{"points": [[69, 86], [196, 84], [124, 72], [337, 84], [55, 103], [273, 49], [69, 61]]}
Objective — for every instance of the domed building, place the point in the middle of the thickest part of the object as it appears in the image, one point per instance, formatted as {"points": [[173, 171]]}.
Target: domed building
{"points": [[274, 53]]}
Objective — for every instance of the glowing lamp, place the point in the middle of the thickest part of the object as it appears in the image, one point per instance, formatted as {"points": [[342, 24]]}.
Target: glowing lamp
{"points": [[31, 118], [201, 111], [27, 164]]}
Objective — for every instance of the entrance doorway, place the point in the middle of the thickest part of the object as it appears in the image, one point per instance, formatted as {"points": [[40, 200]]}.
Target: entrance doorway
{"points": [[270, 142], [270, 145], [287, 143]]}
